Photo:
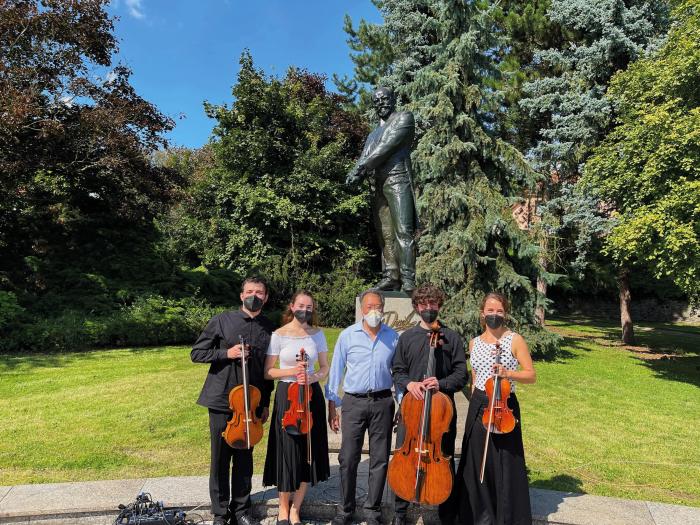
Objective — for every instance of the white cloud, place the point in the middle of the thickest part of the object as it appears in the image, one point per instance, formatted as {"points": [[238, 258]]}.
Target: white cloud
{"points": [[67, 100], [111, 77], [135, 9]]}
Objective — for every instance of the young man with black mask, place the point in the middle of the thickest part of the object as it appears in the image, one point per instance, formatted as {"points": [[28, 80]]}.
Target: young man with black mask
{"points": [[409, 368], [219, 345]]}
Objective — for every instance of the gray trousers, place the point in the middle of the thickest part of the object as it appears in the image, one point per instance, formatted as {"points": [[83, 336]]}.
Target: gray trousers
{"points": [[359, 415], [394, 219]]}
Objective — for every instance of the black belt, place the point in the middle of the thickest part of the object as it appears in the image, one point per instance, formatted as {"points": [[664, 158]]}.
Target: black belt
{"points": [[373, 394]]}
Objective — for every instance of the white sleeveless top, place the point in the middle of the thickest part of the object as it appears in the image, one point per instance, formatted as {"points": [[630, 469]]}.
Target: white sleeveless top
{"points": [[287, 348], [483, 357]]}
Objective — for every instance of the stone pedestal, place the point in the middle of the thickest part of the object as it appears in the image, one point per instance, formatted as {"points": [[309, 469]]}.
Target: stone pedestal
{"points": [[398, 311]]}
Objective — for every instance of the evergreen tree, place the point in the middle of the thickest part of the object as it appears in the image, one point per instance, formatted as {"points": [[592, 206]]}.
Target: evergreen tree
{"points": [[466, 178], [602, 38], [568, 103]]}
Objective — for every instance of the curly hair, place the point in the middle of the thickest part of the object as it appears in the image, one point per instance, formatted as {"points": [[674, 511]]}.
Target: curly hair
{"points": [[427, 293]]}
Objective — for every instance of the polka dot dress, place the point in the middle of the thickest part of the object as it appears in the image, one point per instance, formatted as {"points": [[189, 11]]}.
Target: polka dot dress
{"points": [[483, 357]]}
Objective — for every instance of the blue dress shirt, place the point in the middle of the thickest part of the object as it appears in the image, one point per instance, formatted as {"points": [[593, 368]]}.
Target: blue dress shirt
{"points": [[366, 363]]}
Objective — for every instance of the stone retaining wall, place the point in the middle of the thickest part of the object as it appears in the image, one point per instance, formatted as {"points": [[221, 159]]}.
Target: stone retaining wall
{"points": [[642, 310]]}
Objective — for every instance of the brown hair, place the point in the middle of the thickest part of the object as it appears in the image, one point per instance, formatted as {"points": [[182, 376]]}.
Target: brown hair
{"points": [[427, 293], [254, 280], [498, 297], [288, 315]]}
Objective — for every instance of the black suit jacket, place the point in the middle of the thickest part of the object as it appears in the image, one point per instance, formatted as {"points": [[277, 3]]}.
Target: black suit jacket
{"points": [[388, 147], [221, 333]]}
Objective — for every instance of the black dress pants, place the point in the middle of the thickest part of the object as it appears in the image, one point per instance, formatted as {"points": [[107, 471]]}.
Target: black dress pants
{"points": [[228, 465], [374, 414], [446, 511]]}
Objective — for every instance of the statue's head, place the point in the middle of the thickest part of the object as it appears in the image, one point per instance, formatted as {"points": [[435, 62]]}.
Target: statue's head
{"points": [[384, 102]]}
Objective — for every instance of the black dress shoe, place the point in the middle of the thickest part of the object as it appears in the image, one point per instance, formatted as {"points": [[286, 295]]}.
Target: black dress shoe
{"points": [[282, 522], [342, 519], [388, 284], [246, 519], [407, 286], [398, 520]]}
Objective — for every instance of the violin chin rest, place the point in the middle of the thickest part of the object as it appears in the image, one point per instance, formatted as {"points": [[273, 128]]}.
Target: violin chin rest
{"points": [[292, 430]]}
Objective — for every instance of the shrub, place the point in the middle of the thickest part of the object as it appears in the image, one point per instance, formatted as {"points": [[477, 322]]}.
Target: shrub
{"points": [[150, 320]]}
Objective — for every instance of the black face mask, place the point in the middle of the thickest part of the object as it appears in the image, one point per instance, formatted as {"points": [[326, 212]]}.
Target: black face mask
{"points": [[303, 316], [429, 315], [253, 303], [494, 321]]}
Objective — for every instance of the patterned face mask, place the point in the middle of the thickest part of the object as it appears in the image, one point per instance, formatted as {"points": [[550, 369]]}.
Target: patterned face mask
{"points": [[373, 318]]}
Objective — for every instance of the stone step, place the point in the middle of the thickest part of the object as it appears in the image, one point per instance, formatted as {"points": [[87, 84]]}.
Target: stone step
{"points": [[95, 503]]}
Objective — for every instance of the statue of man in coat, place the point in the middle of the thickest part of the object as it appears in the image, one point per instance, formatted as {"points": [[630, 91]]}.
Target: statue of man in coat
{"points": [[387, 157]]}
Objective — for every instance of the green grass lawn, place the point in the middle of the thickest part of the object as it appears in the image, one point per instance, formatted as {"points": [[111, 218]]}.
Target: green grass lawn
{"points": [[603, 419], [617, 421]]}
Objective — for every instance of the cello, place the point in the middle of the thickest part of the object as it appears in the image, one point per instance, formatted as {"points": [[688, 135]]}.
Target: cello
{"points": [[244, 430], [498, 418], [297, 419], [418, 471]]}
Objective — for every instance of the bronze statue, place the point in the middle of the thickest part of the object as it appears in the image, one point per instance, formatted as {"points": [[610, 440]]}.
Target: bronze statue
{"points": [[387, 155]]}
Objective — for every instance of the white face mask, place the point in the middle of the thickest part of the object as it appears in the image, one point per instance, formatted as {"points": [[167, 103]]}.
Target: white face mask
{"points": [[373, 318]]}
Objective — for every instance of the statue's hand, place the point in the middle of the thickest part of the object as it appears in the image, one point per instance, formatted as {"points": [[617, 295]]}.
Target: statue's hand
{"points": [[355, 176]]}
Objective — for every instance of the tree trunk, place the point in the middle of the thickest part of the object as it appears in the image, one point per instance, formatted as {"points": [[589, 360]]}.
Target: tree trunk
{"points": [[542, 288], [625, 300], [544, 247]]}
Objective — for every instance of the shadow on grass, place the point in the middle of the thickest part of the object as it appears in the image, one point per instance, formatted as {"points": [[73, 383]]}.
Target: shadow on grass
{"points": [[561, 482], [28, 361], [684, 369]]}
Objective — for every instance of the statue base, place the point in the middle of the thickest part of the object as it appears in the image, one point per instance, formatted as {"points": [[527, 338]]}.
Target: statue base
{"points": [[398, 311]]}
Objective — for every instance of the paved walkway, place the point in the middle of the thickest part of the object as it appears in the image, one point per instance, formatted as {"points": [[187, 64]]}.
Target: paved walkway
{"points": [[95, 503]]}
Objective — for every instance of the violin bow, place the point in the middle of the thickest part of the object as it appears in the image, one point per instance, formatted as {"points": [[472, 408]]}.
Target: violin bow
{"points": [[488, 430], [307, 401], [246, 402]]}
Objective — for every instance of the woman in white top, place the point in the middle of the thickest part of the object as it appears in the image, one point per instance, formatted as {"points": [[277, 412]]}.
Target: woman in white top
{"points": [[503, 498], [286, 464]]}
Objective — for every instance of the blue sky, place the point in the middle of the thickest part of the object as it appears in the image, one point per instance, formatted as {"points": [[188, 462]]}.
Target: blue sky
{"points": [[183, 52]]}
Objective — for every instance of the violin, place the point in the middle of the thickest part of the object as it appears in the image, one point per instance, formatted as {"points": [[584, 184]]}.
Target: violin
{"points": [[418, 471], [498, 418], [297, 419], [244, 430]]}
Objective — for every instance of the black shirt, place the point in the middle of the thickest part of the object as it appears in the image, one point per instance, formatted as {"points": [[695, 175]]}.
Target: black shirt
{"points": [[221, 333], [411, 360]]}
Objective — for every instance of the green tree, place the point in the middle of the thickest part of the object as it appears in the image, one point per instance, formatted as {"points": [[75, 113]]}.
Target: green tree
{"points": [[271, 198], [568, 103], [466, 177], [648, 166], [78, 189]]}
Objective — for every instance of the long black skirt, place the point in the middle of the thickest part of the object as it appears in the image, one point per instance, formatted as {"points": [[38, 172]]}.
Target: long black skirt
{"points": [[503, 498], [286, 463]]}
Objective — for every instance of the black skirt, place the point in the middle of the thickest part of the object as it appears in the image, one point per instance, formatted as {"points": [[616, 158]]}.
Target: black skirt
{"points": [[504, 497], [286, 462]]}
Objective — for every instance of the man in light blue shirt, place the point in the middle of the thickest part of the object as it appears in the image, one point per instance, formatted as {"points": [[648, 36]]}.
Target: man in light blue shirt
{"points": [[363, 353]]}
